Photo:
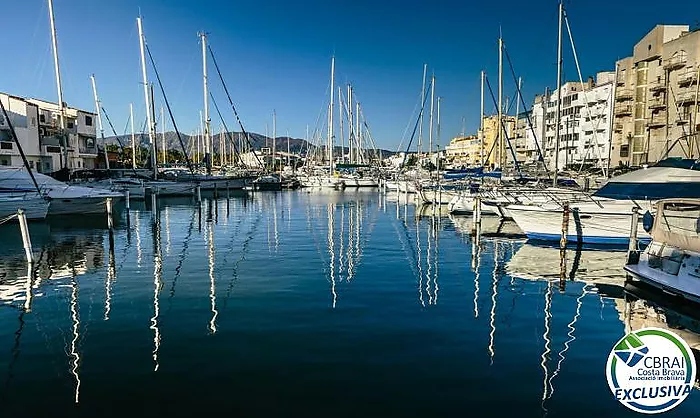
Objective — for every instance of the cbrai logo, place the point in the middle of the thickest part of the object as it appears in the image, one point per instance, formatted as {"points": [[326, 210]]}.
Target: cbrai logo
{"points": [[651, 370]]}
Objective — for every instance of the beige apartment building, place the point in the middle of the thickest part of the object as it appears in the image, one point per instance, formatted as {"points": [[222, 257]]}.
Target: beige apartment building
{"points": [[656, 101]]}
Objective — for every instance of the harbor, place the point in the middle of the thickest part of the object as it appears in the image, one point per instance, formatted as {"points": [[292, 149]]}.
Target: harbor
{"points": [[327, 248]]}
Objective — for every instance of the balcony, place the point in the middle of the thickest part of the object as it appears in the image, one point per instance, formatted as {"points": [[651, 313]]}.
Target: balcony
{"points": [[675, 62], [657, 86], [87, 150], [657, 103], [687, 77], [624, 94], [623, 110], [617, 127], [657, 121], [685, 98]]}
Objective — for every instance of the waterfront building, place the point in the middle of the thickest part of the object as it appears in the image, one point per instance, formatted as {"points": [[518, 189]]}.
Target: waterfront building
{"points": [[463, 150], [37, 125], [584, 129], [656, 110]]}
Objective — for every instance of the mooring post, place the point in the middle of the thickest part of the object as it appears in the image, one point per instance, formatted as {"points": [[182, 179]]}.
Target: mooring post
{"points": [[26, 240], [216, 191], [110, 220], [632, 253], [562, 247], [476, 215], [127, 198], [198, 193], [228, 191]]}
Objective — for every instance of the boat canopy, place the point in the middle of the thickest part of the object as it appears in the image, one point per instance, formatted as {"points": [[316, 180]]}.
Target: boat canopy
{"points": [[653, 183], [677, 223]]}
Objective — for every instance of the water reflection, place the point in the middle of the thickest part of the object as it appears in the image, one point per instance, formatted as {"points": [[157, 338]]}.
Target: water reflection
{"points": [[157, 286]]}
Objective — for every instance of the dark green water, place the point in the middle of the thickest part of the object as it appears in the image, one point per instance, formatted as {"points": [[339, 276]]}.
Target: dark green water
{"points": [[308, 304]]}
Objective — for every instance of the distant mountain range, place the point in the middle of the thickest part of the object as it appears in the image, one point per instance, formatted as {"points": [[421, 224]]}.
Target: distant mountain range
{"points": [[296, 145]]}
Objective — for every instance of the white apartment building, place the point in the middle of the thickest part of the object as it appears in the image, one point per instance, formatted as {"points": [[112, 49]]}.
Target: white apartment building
{"points": [[584, 130], [36, 124]]}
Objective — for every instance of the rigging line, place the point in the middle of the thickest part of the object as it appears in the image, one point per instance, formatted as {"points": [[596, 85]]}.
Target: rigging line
{"points": [[415, 127], [114, 131], [228, 134], [170, 112], [529, 122], [505, 132], [235, 112], [19, 146], [585, 95]]}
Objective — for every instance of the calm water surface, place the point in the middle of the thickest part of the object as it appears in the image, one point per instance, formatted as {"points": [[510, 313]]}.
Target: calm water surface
{"points": [[314, 303]]}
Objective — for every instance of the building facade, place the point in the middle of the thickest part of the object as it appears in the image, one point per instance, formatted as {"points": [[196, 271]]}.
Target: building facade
{"points": [[37, 125], [584, 128], [656, 110]]}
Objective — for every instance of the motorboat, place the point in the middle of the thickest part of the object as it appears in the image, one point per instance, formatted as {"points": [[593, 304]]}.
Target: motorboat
{"points": [[65, 199], [671, 262], [34, 205]]}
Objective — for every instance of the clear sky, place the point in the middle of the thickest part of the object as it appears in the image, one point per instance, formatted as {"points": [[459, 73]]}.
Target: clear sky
{"points": [[276, 54]]}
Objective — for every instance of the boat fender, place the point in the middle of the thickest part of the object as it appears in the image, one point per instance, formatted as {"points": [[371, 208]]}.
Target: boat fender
{"points": [[647, 221]]}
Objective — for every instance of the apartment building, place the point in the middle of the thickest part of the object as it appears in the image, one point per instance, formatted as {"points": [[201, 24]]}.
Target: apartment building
{"points": [[584, 128], [656, 111], [37, 125]]}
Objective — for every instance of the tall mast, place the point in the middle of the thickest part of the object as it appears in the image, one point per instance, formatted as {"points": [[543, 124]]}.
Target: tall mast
{"points": [[330, 118], [432, 106], [61, 110], [274, 140], [422, 100], [500, 103], [611, 124], [288, 149], [200, 138], [207, 121], [558, 115], [517, 111], [351, 124], [481, 121], [162, 133], [358, 147], [133, 136], [340, 121], [147, 98], [99, 119]]}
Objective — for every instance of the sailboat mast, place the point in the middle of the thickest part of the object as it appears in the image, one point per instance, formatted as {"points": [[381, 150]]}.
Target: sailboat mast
{"points": [[99, 119], [162, 133], [558, 116], [500, 103], [207, 121], [481, 121], [274, 140], [432, 108], [351, 124], [133, 136], [422, 100], [200, 138], [330, 118], [147, 98], [358, 147], [288, 149], [340, 121], [61, 110], [517, 111]]}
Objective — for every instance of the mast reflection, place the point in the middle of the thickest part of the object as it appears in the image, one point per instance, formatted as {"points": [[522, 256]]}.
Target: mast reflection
{"points": [[157, 286]]}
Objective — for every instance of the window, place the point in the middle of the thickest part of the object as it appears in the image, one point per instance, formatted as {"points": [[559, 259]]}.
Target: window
{"points": [[624, 151], [53, 149], [4, 162], [5, 145], [88, 120], [42, 118], [70, 124]]}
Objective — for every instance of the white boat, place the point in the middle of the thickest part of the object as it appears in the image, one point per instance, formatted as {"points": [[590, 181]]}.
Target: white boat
{"points": [[137, 188], [171, 188], [671, 261], [34, 205], [65, 199], [598, 221]]}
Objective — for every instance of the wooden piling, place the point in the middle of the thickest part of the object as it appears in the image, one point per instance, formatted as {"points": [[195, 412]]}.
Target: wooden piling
{"points": [[110, 220], [632, 252], [562, 247]]}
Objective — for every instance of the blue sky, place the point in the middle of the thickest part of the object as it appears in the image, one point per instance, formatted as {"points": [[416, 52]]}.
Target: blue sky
{"points": [[276, 54]]}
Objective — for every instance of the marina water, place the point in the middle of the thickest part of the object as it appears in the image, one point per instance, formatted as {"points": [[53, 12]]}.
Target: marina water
{"points": [[315, 302]]}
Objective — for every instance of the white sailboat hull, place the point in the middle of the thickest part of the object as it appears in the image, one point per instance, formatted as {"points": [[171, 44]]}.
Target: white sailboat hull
{"points": [[34, 207], [610, 224]]}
